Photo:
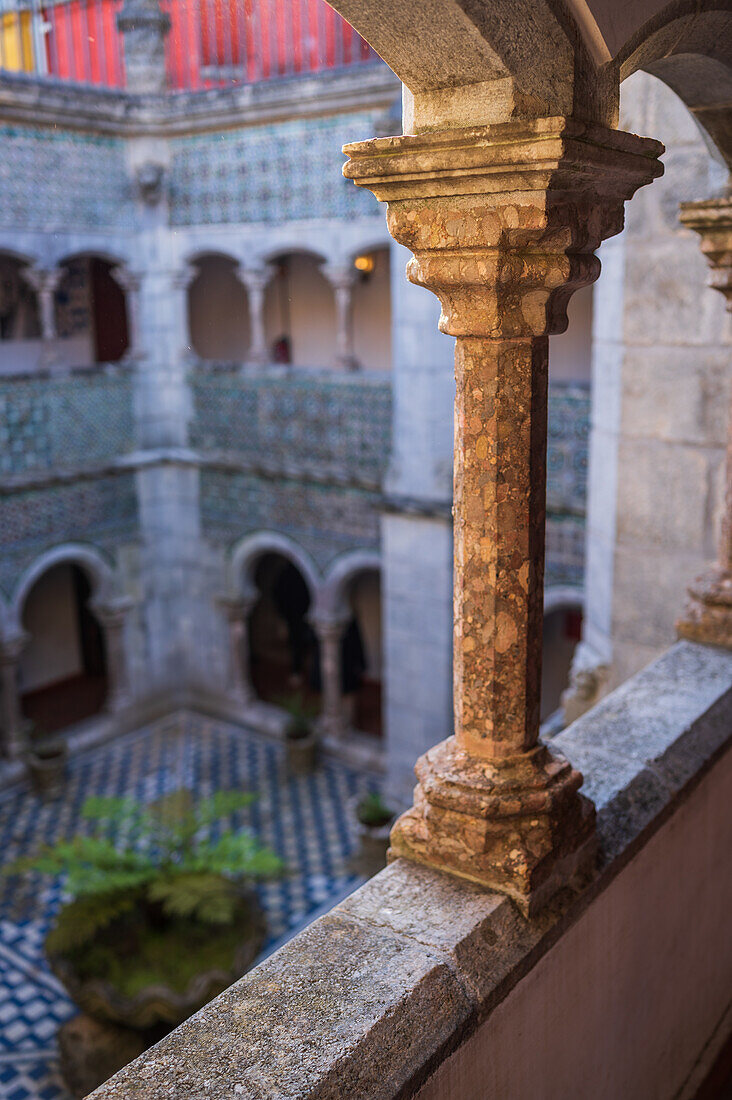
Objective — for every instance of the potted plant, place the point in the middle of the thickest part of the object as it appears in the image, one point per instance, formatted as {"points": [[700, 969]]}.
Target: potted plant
{"points": [[300, 737], [46, 759], [162, 916], [374, 820]]}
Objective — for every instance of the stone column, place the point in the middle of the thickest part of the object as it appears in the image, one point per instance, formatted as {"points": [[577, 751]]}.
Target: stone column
{"points": [[708, 614], [45, 281], [237, 610], [113, 616], [130, 283], [502, 221], [12, 723], [342, 278], [329, 632], [256, 280], [144, 27]]}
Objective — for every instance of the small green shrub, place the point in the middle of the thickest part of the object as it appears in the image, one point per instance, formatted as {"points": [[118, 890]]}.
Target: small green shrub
{"points": [[151, 866], [301, 714], [373, 812]]}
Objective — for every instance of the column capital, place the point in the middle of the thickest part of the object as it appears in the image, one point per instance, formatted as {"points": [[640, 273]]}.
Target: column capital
{"points": [[255, 278], [128, 280], [237, 606], [712, 220], [503, 220], [328, 626], [183, 276], [112, 612], [341, 276], [12, 647], [44, 280]]}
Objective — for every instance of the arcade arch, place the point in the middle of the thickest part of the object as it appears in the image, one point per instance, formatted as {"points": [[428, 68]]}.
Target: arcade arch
{"points": [[218, 310]]}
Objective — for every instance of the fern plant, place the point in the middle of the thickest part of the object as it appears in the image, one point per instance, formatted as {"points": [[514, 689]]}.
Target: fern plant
{"points": [[151, 865]]}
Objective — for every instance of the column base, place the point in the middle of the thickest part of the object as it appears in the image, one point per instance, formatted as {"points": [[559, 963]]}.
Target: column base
{"points": [[708, 613], [517, 826]]}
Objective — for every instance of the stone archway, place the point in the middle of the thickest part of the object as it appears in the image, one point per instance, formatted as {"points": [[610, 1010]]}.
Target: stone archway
{"points": [[63, 667], [72, 587]]}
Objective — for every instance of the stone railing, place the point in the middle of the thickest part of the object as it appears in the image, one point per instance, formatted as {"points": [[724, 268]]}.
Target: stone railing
{"points": [[422, 985], [326, 426], [64, 424]]}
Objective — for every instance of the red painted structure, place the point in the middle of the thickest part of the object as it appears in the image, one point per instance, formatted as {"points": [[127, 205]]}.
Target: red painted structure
{"points": [[212, 43]]}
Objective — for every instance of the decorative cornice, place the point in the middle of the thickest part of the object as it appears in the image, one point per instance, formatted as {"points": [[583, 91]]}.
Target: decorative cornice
{"points": [[44, 102]]}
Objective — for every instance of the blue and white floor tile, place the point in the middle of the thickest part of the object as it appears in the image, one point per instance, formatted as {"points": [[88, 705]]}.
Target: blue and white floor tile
{"points": [[303, 818]]}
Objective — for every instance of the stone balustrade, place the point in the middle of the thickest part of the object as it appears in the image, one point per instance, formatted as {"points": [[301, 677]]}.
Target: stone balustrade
{"points": [[423, 985]]}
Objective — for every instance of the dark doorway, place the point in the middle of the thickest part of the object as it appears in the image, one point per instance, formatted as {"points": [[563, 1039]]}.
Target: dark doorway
{"points": [[64, 667], [283, 647], [108, 312], [361, 655]]}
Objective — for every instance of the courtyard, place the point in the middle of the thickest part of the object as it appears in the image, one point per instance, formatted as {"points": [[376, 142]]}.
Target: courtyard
{"points": [[303, 818]]}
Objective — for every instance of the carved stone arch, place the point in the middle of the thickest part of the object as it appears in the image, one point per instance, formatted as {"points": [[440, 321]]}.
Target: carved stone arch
{"points": [[332, 597], [563, 596], [97, 567], [88, 251], [288, 247], [10, 252], [246, 553]]}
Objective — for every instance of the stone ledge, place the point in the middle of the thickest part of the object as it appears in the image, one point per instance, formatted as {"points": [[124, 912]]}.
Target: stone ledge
{"points": [[43, 101], [367, 1000]]}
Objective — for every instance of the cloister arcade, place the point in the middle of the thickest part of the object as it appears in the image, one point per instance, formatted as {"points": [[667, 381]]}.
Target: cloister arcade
{"points": [[509, 176], [67, 315], [63, 656], [296, 632], [293, 307]]}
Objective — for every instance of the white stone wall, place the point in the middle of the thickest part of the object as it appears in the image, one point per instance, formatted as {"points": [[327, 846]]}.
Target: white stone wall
{"points": [[661, 372]]}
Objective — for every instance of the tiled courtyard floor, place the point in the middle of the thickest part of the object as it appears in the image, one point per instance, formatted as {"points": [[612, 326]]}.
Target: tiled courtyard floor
{"points": [[304, 819]]}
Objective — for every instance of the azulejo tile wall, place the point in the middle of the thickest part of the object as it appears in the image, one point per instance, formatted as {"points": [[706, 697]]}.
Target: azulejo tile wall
{"points": [[567, 456], [333, 426], [100, 510], [54, 179], [567, 449], [326, 520], [277, 172], [77, 421]]}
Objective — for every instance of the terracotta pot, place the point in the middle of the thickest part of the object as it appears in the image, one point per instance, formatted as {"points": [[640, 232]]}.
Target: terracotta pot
{"points": [[373, 840], [301, 754], [46, 765], [157, 1005]]}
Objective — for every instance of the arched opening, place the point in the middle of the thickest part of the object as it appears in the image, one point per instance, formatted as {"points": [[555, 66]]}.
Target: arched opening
{"points": [[361, 654], [20, 321], [218, 311], [63, 668], [90, 313], [372, 309], [562, 632], [299, 312], [283, 650], [571, 351]]}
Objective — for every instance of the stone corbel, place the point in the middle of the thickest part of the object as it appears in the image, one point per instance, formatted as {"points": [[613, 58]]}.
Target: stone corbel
{"points": [[502, 221], [707, 616]]}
